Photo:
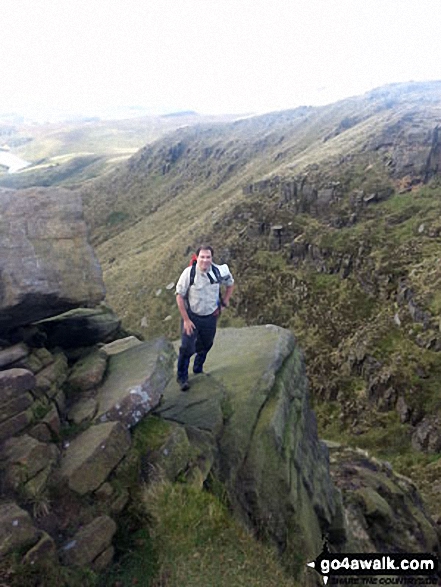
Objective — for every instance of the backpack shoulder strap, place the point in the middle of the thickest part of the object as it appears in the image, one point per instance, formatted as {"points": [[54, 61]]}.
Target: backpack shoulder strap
{"points": [[192, 273], [214, 269], [216, 273]]}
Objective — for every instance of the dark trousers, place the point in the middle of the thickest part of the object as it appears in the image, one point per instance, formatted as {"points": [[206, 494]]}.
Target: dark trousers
{"points": [[200, 342]]}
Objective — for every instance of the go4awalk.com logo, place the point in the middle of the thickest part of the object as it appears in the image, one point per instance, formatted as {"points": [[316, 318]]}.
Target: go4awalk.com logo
{"points": [[376, 569]]}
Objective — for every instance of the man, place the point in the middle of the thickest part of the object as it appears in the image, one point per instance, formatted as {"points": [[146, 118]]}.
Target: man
{"points": [[199, 303]]}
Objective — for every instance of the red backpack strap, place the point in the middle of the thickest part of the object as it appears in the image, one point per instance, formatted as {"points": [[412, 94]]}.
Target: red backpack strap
{"points": [[192, 264], [193, 259]]}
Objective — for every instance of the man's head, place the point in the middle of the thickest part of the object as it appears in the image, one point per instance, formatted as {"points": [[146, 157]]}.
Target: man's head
{"points": [[205, 257]]}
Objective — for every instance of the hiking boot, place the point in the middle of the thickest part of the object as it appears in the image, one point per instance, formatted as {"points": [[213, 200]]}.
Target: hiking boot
{"points": [[184, 385], [199, 360]]}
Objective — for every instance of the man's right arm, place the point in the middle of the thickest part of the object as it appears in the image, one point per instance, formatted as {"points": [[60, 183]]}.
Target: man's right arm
{"points": [[188, 324]]}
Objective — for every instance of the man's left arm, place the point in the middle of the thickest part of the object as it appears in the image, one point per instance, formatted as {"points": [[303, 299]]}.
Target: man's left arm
{"points": [[226, 297]]}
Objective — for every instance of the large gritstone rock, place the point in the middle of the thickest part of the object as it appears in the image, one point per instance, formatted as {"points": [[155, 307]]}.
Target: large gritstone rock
{"points": [[46, 263], [80, 327], [90, 543], [16, 528], [255, 404], [14, 383], [27, 464], [383, 510], [93, 455], [135, 382]]}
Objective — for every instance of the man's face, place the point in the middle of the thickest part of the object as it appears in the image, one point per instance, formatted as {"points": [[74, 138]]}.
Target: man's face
{"points": [[204, 259]]}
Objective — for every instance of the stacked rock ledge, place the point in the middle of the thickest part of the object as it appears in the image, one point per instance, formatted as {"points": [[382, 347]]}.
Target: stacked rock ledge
{"points": [[60, 378]]}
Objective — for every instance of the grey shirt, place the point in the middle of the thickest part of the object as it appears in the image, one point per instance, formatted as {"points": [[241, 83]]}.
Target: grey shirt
{"points": [[203, 296]]}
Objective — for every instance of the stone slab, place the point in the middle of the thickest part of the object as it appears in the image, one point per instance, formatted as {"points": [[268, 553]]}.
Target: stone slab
{"points": [[12, 354], [89, 543], [16, 528], [14, 382], [120, 345], [92, 456], [135, 382]]}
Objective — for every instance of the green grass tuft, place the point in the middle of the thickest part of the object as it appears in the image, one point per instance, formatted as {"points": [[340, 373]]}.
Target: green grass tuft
{"points": [[200, 545]]}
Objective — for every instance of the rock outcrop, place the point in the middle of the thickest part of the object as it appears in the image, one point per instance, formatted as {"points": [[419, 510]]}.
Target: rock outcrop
{"points": [[73, 389], [46, 263], [255, 406], [383, 510], [103, 395], [67, 401], [247, 424], [250, 423]]}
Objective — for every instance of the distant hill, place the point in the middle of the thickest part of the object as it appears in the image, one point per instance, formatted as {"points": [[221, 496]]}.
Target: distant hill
{"points": [[70, 152], [330, 220], [181, 113]]}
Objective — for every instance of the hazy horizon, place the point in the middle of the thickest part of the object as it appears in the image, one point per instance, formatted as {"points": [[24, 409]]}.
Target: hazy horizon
{"points": [[95, 58]]}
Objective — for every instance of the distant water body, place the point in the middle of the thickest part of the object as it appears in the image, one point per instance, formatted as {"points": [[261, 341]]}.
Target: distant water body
{"points": [[12, 162]]}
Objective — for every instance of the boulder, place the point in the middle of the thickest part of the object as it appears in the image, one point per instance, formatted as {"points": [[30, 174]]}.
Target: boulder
{"points": [[174, 455], [207, 413], [46, 263], [81, 327], [83, 410], [122, 344], [13, 354], [23, 459], [52, 420], [17, 530], [92, 456], [15, 401], [255, 406], [183, 453], [103, 560], [15, 424], [15, 406], [44, 356], [41, 432], [48, 428], [90, 543], [135, 381], [37, 359], [88, 372], [14, 382], [427, 435], [44, 550], [60, 401], [383, 510], [50, 379]]}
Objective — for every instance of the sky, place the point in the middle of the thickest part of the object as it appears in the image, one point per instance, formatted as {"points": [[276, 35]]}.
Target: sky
{"points": [[211, 56]]}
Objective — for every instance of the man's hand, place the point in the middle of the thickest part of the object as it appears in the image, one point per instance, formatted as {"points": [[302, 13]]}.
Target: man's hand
{"points": [[189, 327], [226, 299]]}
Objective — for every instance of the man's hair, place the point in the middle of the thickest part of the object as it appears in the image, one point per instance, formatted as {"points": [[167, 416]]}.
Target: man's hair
{"points": [[204, 248]]}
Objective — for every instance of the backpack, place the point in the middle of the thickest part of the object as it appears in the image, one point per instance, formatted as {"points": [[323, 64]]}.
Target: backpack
{"points": [[217, 279]]}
